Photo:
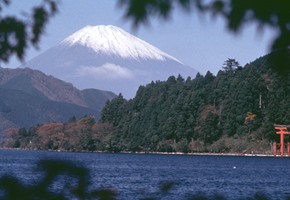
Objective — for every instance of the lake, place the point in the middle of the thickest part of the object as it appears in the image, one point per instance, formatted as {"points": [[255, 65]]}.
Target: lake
{"points": [[136, 176]]}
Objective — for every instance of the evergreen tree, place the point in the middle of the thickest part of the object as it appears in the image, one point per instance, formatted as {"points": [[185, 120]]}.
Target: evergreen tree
{"points": [[230, 65]]}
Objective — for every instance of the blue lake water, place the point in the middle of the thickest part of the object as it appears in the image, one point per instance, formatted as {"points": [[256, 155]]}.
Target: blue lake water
{"points": [[135, 176]]}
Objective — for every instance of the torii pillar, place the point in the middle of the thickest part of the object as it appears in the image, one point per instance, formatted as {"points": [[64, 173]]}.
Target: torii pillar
{"points": [[281, 130]]}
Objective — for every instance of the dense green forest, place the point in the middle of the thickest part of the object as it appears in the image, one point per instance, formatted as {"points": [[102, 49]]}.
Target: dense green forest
{"points": [[233, 111]]}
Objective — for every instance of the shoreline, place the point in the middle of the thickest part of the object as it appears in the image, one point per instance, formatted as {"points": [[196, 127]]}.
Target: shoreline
{"points": [[203, 154], [158, 153]]}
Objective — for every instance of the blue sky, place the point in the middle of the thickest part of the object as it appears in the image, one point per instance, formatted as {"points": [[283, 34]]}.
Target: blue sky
{"points": [[197, 41]]}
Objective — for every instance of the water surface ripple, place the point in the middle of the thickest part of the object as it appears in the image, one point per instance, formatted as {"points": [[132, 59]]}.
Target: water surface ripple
{"points": [[136, 176]]}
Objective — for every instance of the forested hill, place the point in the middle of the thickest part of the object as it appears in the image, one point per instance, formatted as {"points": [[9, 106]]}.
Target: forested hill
{"points": [[233, 111]]}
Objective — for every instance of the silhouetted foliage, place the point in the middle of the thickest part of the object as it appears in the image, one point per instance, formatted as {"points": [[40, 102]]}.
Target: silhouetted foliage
{"points": [[237, 14], [17, 34], [61, 180]]}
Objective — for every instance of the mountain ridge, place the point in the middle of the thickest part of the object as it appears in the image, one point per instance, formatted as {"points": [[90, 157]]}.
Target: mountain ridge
{"points": [[29, 97]]}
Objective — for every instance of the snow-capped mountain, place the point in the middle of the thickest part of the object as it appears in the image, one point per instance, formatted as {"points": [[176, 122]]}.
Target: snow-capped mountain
{"points": [[114, 41], [108, 58]]}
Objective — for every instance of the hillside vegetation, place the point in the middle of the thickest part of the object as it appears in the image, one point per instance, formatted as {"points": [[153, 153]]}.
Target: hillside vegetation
{"points": [[233, 111], [75, 135]]}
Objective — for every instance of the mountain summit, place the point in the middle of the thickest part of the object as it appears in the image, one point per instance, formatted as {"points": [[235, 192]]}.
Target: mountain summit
{"points": [[108, 58], [112, 40]]}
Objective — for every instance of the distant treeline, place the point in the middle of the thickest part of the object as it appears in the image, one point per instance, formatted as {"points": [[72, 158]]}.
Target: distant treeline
{"points": [[75, 135], [233, 111]]}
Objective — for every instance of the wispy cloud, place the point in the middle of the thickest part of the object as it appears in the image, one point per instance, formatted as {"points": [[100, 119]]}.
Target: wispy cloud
{"points": [[108, 71]]}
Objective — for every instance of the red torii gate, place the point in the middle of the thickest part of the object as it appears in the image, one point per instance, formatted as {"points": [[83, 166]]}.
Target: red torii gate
{"points": [[281, 130]]}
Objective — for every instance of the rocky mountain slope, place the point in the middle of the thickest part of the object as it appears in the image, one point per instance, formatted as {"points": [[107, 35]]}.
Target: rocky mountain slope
{"points": [[28, 97]]}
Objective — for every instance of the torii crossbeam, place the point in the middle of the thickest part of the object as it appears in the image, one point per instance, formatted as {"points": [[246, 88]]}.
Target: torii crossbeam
{"points": [[281, 130]]}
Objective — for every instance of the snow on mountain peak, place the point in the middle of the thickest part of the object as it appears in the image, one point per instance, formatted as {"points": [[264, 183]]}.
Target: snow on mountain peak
{"points": [[113, 40], [108, 58]]}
